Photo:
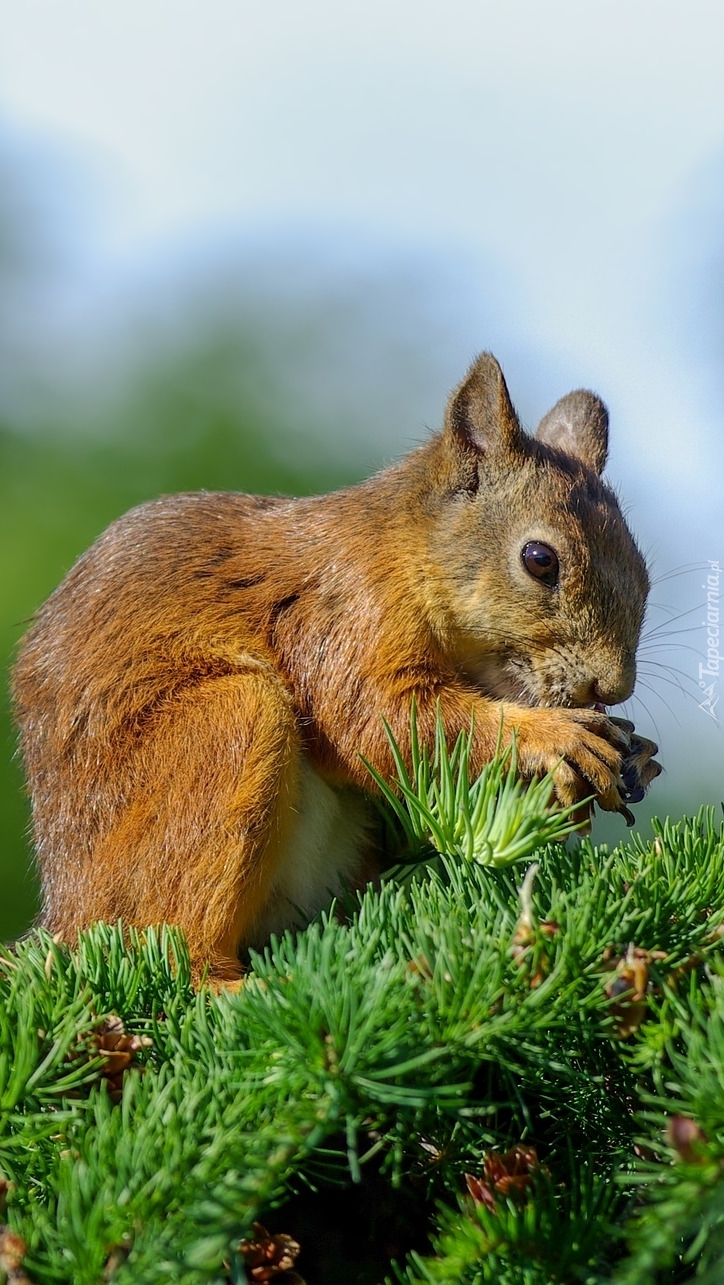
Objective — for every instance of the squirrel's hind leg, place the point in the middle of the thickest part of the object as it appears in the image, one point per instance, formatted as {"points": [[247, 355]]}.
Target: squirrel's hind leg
{"points": [[208, 795]]}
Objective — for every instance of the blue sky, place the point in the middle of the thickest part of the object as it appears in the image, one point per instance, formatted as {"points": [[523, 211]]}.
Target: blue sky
{"points": [[558, 165], [550, 150]]}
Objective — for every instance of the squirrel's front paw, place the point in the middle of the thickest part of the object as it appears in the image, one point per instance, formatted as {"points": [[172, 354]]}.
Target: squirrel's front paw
{"points": [[585, 750], [589, 753]]}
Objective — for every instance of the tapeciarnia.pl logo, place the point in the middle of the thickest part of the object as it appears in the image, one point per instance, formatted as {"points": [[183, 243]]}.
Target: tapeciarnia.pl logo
{"points": [[710, 672]]}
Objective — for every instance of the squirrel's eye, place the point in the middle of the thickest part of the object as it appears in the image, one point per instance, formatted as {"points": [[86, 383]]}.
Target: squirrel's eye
{"points": [[541, 562]]}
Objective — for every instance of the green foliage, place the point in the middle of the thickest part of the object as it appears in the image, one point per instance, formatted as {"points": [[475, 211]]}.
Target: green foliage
{"points": [[495, 819], [205, 417], [378, 1061]]}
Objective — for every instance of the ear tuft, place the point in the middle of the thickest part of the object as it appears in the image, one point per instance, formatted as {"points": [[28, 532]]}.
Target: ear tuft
{"points": [[578, 426], [480, 414]]}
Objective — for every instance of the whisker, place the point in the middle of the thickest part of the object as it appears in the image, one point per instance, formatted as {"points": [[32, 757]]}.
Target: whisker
{"points": [[665, 664], [659, 645], [670, 669], [669, 664], [647, 664], [648, 711], [682, 614], [654, 692], [696, 607], [672, 682], [674, 632], [660, 606], [684, 570]]}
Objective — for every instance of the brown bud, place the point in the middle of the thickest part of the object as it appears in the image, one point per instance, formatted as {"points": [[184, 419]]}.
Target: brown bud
{"points": [[12, 1252], [686, 1138], [119, 1051], [266, 1256], [480, 1191], [628, 989], [509, 1174], [420, 967]]}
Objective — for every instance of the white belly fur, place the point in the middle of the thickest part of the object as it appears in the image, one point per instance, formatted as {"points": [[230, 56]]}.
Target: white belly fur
{"points": [[324, 854]]}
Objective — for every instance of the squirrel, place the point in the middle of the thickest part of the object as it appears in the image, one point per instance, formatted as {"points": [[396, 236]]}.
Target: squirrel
{"points": [[196, 697]]}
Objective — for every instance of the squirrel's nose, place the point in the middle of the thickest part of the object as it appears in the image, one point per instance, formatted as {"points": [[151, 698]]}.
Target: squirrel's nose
{"points": [[608, 689], [614, 689]]}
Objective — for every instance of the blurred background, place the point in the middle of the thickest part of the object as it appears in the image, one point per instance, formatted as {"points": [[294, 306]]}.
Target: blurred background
{"points": [[253, 246]]}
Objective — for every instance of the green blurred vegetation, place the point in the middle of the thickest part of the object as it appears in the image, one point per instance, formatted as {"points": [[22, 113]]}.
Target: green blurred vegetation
{"points": [[201, 416]]}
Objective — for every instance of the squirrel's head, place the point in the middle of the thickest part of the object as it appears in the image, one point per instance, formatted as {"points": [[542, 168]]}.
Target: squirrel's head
{"points": [[540, 589]]}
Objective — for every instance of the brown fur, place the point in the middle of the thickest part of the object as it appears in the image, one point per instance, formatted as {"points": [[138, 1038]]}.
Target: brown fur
{"points": [[209, 646]]}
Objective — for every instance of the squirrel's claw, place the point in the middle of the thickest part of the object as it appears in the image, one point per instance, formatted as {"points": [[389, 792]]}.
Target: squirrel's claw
{"points": [[638, 770]]}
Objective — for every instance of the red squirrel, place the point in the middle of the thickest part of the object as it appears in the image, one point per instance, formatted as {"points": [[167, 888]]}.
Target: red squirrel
{"points": [[195, 698]]}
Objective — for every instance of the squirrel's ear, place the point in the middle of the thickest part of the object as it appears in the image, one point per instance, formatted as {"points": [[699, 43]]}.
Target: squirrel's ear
{"points": [[578, 426], [480, 414]]}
